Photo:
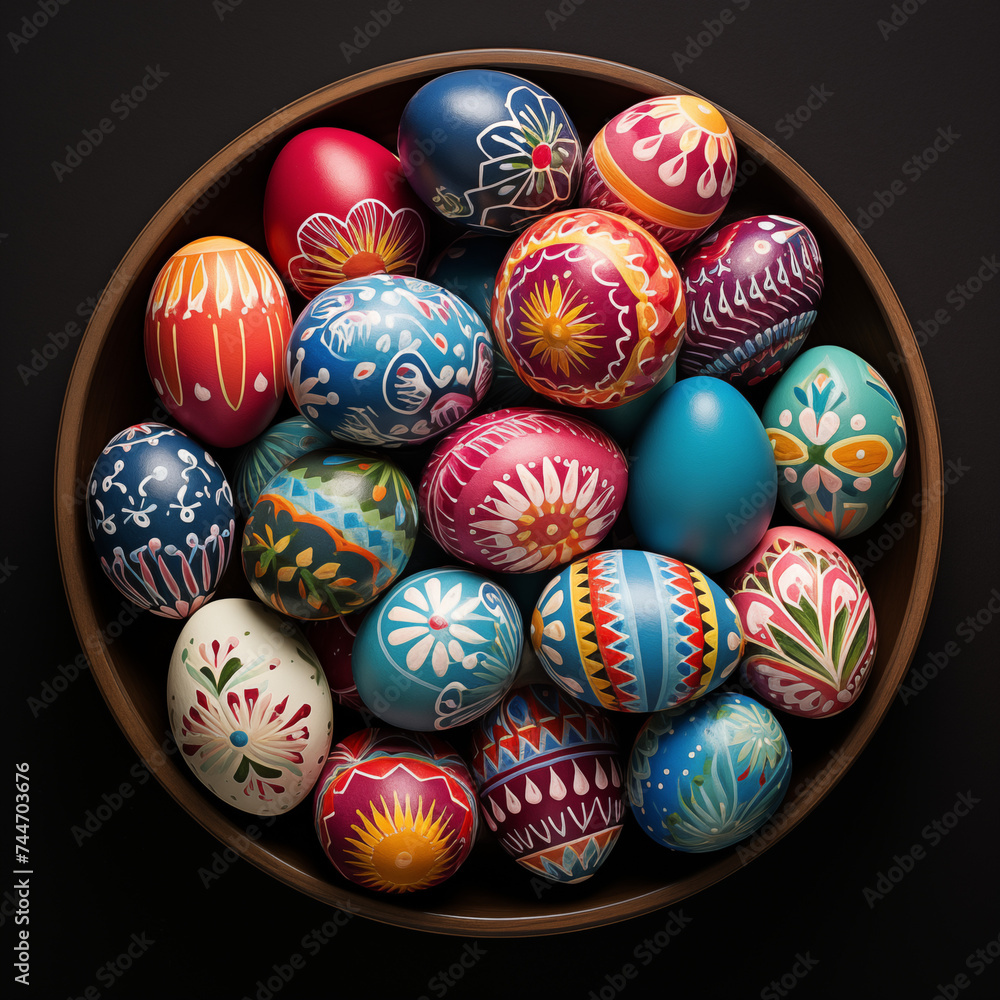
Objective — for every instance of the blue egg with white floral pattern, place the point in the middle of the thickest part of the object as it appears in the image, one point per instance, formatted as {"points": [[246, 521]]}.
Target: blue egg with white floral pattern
{"points": [[442, 648], [160, 515], [489, 150], [839, 441], [708, 775], [387, 360], [268, 454]]}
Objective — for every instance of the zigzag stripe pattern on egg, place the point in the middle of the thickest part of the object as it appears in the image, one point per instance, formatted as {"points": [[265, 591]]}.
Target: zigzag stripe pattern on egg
{"points": [[635, 631]]}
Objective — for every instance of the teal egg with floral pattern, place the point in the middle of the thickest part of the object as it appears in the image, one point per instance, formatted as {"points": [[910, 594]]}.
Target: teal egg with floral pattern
{"points": [[442, 648], [329, 533], [703, 777], [839, 441], [264, 457]]}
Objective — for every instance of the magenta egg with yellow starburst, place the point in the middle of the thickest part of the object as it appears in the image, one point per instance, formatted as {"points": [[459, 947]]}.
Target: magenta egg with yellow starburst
{"points": [[394, 811], [589, 308]]}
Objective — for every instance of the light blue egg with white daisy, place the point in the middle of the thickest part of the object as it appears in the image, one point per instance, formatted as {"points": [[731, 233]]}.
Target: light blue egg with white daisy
{"points": [[441, 649]]}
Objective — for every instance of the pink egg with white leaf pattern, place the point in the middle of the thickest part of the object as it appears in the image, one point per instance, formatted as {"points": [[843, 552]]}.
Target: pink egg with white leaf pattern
{"points": [[809, 623], [522, 490]]}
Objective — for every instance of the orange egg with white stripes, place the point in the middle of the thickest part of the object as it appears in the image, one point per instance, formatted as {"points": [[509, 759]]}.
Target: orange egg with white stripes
{"points": [[668, 163], [217, 325]]}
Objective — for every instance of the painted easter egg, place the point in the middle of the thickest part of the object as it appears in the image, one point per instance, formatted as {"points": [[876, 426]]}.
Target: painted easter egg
{"points": [[550, 785], [387, 360], [249, 706], [468, 267], [588, 309], [332, 639], [440, 649], [395, 812], [623, 422], [839, 440], [705, 776], [330, 532], [809, 623], [752, 289], [521, 490], [489, 150], [669, 163], [634, 631], [337, 207], [217, 323], [702, 478], [160, 515], [266, 454]]}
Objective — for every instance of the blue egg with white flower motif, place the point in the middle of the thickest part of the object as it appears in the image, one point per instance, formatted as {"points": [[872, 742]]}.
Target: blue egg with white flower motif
{"points": [[442, 648], [387, 360], [707, 775], [839, 441], [489, 150], [160, 515]]}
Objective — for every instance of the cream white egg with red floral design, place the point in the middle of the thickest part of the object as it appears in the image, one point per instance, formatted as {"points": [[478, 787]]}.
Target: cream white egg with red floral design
{"points": [[249, 705]]}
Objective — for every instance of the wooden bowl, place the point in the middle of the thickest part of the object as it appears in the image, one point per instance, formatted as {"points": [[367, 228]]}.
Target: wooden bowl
{"points": [[109, 389]]}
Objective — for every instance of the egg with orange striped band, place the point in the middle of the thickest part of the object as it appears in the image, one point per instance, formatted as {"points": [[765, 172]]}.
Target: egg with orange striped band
{"points": [[329, 533], [588, 309], [668, 163], [217, 325]]}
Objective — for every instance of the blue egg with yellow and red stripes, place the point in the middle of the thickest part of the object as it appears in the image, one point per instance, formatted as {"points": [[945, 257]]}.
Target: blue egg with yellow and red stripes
{"points": [[635, 631]]}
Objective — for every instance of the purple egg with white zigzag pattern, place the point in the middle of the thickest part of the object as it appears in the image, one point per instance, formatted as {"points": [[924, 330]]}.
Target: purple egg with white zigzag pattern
{"points": [[751, 288]]}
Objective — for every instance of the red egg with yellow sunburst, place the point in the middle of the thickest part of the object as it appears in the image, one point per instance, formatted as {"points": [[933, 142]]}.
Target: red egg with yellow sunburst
{"points": [[217, 325], [394, 811], [589, 309], [337, 207]]}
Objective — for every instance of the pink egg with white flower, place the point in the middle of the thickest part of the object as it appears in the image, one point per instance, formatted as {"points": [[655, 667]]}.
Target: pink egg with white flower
{"points": [[522, 489]]}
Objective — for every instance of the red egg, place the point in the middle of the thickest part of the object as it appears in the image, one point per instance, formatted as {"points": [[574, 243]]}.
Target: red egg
{"points": [[336, 207], [395, 812], [332, 640], [811, 636], [668, 163], [217, 325]]}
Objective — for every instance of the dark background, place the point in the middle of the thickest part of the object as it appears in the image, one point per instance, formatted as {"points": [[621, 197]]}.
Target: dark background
{"points": [[801, 908]]}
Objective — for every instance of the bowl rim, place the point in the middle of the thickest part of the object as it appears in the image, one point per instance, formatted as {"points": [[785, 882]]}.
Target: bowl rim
{"points": [[72, 544]]}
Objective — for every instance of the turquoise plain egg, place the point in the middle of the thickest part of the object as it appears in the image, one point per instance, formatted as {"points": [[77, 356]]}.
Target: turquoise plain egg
{"points": [[703, 480]]}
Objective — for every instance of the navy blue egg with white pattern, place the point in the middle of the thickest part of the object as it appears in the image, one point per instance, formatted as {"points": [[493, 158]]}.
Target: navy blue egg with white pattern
{"points": [[489, 150], [160, 515]]}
